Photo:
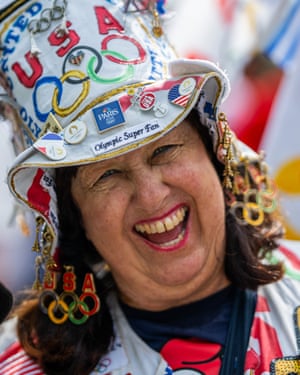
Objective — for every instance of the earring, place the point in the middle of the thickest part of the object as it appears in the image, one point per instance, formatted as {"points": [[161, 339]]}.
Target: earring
{"points": [[266, 195], [42, 246], [225, 150], [252, 195], [68, 305]]}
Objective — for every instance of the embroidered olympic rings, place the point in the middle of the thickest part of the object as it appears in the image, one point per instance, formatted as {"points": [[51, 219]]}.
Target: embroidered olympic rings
{"points": [[79, 49], [121, 60], [128, 73], [255, 204], [67, 110], [94, 66], [57, 94], [46, 80], [68, 305]]}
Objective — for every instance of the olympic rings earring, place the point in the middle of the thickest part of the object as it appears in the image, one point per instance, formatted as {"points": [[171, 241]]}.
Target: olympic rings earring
{"points": [[251, 194], [68, 305]]}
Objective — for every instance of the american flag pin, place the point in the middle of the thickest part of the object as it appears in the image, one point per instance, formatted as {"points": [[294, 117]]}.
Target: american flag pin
{"points": [[180, 93], [76, 57]]}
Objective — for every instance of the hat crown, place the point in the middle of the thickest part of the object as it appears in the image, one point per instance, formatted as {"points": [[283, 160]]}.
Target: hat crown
{"points": [[92, 83], [59, 58]]}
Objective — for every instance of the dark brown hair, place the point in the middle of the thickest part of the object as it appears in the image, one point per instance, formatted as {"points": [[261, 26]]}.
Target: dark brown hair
{"points": [[70, 349], [247, 246]]}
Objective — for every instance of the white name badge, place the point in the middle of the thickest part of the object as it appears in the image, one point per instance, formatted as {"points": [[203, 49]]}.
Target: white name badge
{"points": [[126, 137]]}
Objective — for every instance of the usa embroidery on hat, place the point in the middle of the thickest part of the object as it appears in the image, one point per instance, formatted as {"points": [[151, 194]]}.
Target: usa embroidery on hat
{"points": [[108, 116]]}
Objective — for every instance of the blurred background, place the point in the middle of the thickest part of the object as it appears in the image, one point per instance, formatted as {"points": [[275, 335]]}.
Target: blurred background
{"points": [[257, 42]]}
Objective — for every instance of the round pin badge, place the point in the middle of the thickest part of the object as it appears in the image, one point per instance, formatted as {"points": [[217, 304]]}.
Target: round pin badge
{"points": [[187, 86], [160, 110], [51, 145], [147, 101], [56, 152], [75, 132]]}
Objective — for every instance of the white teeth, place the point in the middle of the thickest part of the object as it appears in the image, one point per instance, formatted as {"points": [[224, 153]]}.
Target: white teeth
{"points": [[174, 242], [164, 225], [147, 228], [169, 223], [160, 227], [153, 228]]}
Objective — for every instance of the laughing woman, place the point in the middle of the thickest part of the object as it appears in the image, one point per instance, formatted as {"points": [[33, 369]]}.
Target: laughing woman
{"points": [[157, 230]]}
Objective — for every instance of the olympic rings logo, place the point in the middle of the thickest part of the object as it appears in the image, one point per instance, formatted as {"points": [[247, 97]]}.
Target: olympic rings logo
{"points": [[78, 77], [68, 305], [254, 206]]}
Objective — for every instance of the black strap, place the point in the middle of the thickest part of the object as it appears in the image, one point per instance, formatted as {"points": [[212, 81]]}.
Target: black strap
{"points": [[238, 333], [6, 302]]}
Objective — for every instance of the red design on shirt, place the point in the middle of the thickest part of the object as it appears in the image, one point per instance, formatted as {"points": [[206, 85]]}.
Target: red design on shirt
{"points": [[264, 343], [193, 357], [15, 361], [291, 256]]}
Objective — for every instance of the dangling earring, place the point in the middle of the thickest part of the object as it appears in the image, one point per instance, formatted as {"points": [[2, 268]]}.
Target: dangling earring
{"points": [[42, 246], [226, 149], [68, 305], [156, 25], [266, 196]]}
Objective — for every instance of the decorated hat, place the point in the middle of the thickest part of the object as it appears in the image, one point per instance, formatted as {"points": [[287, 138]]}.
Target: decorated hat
{"points": [[93, 81]]}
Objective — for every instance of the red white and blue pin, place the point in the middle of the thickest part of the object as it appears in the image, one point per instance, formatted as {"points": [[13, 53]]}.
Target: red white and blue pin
{"points": [[146, 101], [51, 145], [180, 93]]}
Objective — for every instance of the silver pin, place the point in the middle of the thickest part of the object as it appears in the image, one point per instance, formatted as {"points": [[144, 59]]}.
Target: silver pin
{"points": [[34, 49], [160, 110]]}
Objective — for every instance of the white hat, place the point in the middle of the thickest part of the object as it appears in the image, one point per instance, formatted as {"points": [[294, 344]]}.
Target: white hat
{"points": [[94, 80]]}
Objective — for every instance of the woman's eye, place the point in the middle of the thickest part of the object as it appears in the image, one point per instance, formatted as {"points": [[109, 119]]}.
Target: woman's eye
{"points": [[165, 153], [162, 150], [109, 173]]}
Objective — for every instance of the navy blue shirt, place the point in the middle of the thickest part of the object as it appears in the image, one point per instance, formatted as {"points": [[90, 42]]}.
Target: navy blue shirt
{"points": [[206, 320]]}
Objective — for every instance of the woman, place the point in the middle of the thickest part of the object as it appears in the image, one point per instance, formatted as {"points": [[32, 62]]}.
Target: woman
{"points": [[156, 228]]}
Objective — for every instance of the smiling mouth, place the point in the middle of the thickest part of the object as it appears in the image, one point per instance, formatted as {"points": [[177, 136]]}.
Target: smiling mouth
{"points": [[166, 232]]}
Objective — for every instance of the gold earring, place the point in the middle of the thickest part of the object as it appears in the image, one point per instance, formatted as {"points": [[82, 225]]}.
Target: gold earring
{"points": [[226, 145], [42, 246]]}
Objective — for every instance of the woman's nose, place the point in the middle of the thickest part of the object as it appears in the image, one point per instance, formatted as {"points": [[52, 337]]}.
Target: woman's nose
{"points": [[150, 189]]}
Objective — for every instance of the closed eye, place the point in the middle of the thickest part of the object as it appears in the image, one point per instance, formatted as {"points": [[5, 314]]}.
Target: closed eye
{"points": [[165, 153], [109, 173]]}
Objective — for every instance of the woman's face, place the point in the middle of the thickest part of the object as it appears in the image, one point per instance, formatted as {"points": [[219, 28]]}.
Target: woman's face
{"points": [[156, 215]]}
